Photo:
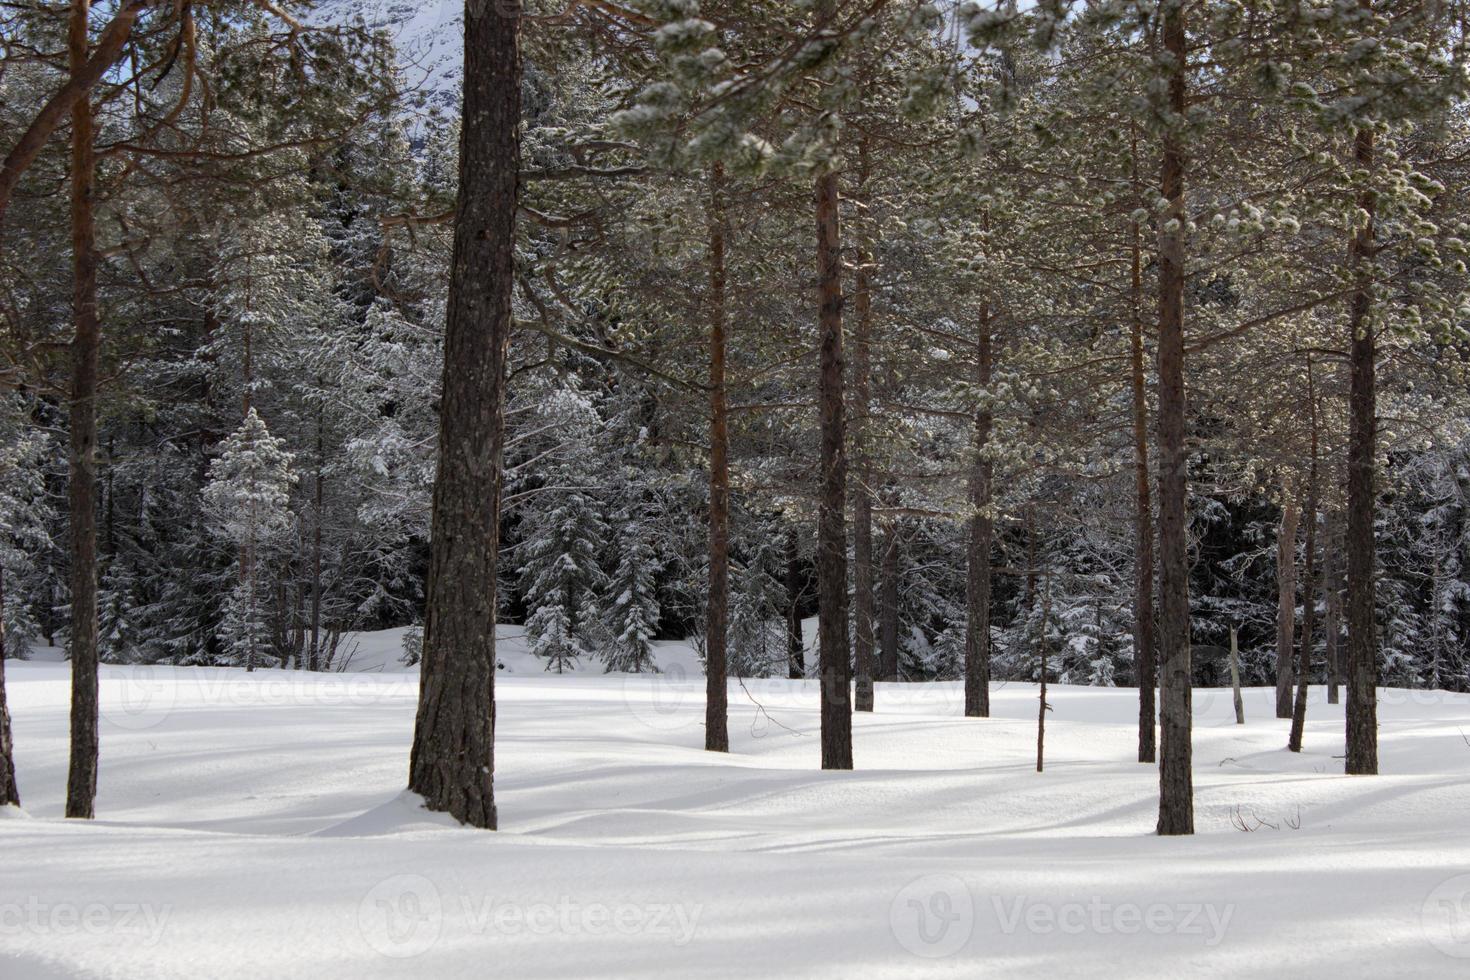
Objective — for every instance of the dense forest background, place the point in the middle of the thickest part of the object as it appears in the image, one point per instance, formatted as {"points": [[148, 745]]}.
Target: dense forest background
{"points": [[274, 262]]}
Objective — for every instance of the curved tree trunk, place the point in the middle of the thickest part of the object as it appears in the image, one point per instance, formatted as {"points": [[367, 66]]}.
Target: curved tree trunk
{"points": [[1176, 780], [112, 44], [81, 783], [717, 618], [453, 761]]}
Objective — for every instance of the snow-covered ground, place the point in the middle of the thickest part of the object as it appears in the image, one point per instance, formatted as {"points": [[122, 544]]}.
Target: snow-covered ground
{"points": [[252, 826]]}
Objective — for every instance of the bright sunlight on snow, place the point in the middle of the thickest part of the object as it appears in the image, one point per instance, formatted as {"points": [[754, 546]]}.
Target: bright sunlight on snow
{"points": [[253, 825]]}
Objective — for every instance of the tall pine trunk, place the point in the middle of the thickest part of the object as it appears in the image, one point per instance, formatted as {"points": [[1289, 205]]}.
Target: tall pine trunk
{"points": [[862, 493], [9, 793], [982, 530], [453, 761], [795, 643], [81, 783], [716, 734], [1309, 588], [1143, 527], [1362, 651], [888, 605], [835, 666], [1176, 780], [1286, 600], [314, 650], [1332, 600]]}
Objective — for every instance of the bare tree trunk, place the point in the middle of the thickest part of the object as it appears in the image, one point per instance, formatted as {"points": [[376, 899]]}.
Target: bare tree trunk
{"points": [[716, 734], [247, 579], [835, 667], [314, 651], [1332, 598], [1286, 600], [1235, 676], [982, 531], [9, 793], [81, 784], [1043, 645], [1176, 780], [888, 605], [1309, 590], [453, 761], [1147, 670], [862, 503], [795, 643], [1362, 652]]}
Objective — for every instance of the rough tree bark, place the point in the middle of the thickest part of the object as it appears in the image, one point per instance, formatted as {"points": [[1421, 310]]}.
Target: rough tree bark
{"points": [[9, 793], [1043, 647], [1235, 676], [835, 665], [1362, 652], [314, 651], [862, 503], [81, 783], [453, 761], [716, 734], [1332, 600], [1176, 780], [1309, 589], [1286, 600], [888, 605], [982, 530], [1143, 528], [795, 643]]}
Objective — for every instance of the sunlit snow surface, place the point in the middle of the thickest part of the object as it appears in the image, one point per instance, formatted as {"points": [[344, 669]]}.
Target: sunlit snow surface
{"points": [[254, 826]]}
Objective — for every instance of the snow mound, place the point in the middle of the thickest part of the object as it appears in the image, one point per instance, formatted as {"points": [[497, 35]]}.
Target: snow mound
{"points": [[404, 814]]}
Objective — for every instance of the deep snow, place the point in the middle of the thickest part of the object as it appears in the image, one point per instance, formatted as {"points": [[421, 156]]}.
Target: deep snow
{"points": [[253, 826]]}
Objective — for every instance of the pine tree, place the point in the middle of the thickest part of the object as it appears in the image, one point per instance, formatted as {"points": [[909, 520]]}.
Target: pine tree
{"points": [[631, 617], [247, 500]]}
